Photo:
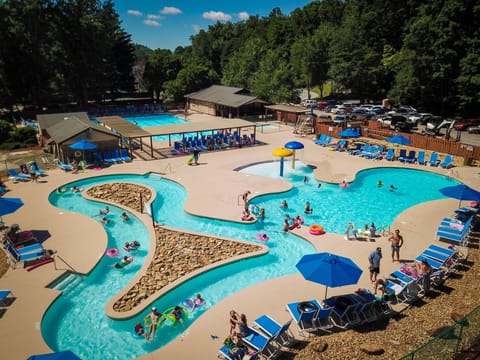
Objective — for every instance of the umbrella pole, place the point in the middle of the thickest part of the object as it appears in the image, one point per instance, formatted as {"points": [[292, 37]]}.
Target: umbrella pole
{"points": [[326, 289], [293, 160]]}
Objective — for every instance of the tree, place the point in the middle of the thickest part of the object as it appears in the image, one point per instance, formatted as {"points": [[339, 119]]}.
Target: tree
{"points": [[161, 67], [191, 79]]}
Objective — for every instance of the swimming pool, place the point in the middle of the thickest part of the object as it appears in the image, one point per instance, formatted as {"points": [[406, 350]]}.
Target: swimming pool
{"points": [[76, 320], [160, 120]]}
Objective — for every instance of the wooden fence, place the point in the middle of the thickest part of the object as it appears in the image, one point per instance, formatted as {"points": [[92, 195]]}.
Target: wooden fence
{"points": [[374, 130]]}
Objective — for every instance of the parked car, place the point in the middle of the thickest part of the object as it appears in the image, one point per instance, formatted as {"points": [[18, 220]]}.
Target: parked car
{"points": [[340, 119], [465, 124], [474, 129], [400, 123], [309, 103]]}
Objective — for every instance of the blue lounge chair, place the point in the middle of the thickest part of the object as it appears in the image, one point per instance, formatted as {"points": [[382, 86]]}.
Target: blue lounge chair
{"points": [[124, 155], [305, 314], [421, 158], [98, 158], [63, 166], [14, 175], [403, 155], [281, 334], [320, 140], [265, 346], [390, 155], [107, 157], [345, 311], [447, 162], [357, 149], [17, 257], [116, 156], [38, 171], [433, 159], [3, 296], [433, 263], [30, 248]]}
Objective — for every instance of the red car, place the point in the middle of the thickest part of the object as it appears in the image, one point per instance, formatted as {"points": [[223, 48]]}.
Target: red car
{"points": [[465, 124]]}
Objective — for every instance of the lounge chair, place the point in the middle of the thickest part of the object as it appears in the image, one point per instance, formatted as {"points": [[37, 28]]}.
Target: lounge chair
{"points": [[272, 328], [38, 171], [421, 158], [116, 156], [390, 155], [320, 140], [410, 158], [447, 162], [17, 257], [356, 149], [14, 175], [63, 166], [404, 292], [433, 159], [304, 314], [265, 346], [29, 249], [124, 155], [108, 158], [345, 313], [403, 155], [3, 296]]}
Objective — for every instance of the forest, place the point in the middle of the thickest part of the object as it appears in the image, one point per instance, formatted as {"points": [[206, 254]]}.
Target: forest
{"points": [[421, 53]]}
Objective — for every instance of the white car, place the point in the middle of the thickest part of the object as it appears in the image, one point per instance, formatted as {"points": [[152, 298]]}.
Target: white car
{"points": [[309, 103]]}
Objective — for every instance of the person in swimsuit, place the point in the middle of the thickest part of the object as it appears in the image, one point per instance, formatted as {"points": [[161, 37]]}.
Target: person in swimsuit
{"points": [[397, 242]]}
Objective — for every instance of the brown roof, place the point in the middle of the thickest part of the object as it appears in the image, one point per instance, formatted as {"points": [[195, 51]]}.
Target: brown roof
{"points": [[288, 108]]}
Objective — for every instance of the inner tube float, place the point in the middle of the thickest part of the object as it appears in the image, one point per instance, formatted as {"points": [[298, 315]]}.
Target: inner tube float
{"points": [[122, 264], [262, 237], [171, 317], [190, 303], [316, 229], [78, 154], [344, 185], [307, 307], [112, 252]]}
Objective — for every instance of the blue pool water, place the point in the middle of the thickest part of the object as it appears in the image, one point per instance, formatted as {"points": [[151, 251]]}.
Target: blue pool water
{"points": [[158, 120], [76, 321]]}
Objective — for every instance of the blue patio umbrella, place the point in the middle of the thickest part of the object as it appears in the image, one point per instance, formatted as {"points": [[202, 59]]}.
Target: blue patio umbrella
{"points": [[349, 132], [294, 145], [399, 139], [329, 269], [83, 145], [9, 205], [62, 355], [461, 192]]}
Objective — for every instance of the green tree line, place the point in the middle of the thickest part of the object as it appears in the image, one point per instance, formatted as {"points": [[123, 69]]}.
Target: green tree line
{"points": [[62, 50], [421, 53]]}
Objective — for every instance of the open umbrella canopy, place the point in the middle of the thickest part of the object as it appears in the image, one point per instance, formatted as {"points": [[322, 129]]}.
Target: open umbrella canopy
{"points": [[62, 355], [83, 145], [461, 192], [294, 145], [349, 132], [329, 269], [281, 152], [399, 139], [9, 205]]}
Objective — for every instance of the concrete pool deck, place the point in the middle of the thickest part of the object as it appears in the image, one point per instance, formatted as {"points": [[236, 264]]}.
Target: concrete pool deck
{"points": [[213, 191]]}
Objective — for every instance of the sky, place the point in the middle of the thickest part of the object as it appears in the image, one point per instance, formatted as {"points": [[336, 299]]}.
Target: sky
{"points": [[168, 24]]}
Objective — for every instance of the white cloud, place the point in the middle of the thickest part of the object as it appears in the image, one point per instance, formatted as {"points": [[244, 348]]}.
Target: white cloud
{"points": [[196, 28], [243, 15], [170, 10], [217, 16], [134, 12], [152, 16], [151, 23]]}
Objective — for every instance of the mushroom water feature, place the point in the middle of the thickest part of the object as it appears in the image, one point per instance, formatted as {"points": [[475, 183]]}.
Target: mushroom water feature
{"points": [[281, 153], [294, 145]]}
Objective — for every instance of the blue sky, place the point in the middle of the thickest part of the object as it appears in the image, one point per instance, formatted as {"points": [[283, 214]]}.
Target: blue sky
{"points": [[168, 24]]}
